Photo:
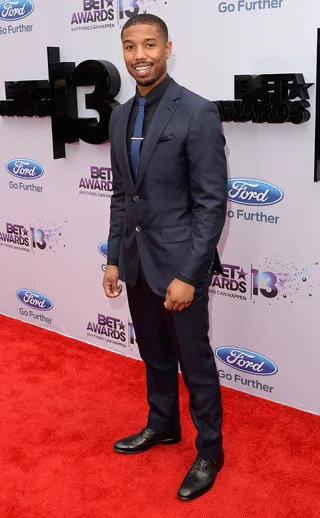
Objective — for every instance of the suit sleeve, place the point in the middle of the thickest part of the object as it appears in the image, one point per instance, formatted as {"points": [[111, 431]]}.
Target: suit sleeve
{"points": [[117, 211], [209, 191]]}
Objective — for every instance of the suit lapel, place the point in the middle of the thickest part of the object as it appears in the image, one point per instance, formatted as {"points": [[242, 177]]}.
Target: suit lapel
{"points": [[123, 152], [166, 108]]}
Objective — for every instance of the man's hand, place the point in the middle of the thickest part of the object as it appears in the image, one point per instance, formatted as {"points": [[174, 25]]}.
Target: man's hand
{"points": [[110, 282], [179, 296]]}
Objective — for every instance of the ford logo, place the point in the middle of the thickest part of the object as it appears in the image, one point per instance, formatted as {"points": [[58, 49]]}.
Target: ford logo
{"points": [[103, 248], [11, 10], [246, 361], [250, 191], [24, 168], [34, 300]]}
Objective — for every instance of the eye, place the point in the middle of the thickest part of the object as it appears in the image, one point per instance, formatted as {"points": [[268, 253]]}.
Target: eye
{"points": [[129, 47], [150, 45]]}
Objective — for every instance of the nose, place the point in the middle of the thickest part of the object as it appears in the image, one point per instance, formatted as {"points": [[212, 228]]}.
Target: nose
{"points": [[140, 53]]}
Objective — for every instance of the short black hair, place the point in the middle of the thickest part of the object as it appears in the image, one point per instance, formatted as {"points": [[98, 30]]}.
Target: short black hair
{"points": [[148, 19]]}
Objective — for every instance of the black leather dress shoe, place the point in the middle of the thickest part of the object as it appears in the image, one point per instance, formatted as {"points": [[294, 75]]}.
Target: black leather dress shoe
{"points": [[146, 439], [200, 478]]}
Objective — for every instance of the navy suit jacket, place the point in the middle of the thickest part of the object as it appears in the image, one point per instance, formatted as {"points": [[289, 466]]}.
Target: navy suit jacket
{"points": [[172, 216]]}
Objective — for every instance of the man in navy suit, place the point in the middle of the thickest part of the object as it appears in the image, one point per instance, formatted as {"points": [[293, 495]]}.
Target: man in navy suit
{"points": [[167, 214]]}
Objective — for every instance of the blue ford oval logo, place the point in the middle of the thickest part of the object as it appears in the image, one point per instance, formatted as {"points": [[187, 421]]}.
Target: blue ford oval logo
{"points": [[24, 168], [11, 10], [34, 300], [249, 191], [246, 361], [103, 248]]}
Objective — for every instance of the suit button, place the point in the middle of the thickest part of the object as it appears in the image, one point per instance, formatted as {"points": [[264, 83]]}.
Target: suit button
{"points": [[138, 229], [136, 198]]}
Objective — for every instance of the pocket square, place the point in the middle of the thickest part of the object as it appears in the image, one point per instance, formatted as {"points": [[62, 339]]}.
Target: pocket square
{"points": [[166, 138]]}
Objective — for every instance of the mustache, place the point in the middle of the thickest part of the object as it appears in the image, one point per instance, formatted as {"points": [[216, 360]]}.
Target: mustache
{"points": [[139, 63]]}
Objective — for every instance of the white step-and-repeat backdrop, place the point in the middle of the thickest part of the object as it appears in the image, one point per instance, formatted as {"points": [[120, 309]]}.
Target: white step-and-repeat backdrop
{"points": [[54, 213]]}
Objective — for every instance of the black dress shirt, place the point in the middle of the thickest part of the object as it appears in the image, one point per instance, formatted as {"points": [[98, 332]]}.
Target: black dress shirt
{"points": [[153, 98]]}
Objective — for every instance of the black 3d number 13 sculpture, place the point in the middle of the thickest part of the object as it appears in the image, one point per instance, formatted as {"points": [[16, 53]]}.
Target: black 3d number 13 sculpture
{"points": [[58, 98], [275, 98]]}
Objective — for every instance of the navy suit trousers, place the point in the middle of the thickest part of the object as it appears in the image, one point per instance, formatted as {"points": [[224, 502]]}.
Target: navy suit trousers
{"points": [[165, 340]]}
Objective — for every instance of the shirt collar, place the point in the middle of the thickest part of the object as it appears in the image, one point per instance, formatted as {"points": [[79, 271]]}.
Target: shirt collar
{"points": [[157, 92]]}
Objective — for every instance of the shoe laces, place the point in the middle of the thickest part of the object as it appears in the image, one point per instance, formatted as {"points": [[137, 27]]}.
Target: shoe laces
{"points": [[199, 464]]}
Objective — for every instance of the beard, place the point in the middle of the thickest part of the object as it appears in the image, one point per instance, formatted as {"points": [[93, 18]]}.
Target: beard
{"points": [[152, 79], [146, 81]]}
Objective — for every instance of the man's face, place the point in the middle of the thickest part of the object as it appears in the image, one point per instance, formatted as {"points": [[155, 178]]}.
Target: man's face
{"points": [[145, 53]]}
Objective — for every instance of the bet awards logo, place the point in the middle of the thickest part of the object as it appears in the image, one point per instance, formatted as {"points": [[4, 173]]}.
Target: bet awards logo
{"points": [[253, 193], [103, 14], [32, 238], [270, 281], [99, 183], [271, 98], [106, 14], [112, 330], [24, 169], [93, 11], [232, 282]]}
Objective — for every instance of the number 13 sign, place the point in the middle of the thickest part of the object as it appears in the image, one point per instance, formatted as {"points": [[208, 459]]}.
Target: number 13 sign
{"points": [[58, 98]]}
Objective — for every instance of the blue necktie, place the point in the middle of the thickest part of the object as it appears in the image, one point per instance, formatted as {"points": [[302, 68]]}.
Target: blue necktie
{"points": [[137, 137]]}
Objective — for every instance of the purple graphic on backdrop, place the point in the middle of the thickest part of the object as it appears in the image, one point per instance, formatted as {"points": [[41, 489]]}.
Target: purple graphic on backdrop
{"points": [[110, 329], [52, 235], [39, 237], [147, 6], [232, 282], [100, 182], [295, 280], [107, 14], [272, 279]]}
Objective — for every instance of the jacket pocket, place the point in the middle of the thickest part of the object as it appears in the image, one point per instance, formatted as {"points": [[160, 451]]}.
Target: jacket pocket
{"points": [[176, 234], [166, 138]]}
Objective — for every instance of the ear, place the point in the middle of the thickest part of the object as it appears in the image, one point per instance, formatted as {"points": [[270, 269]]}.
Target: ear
{"points": [[168, 49]]}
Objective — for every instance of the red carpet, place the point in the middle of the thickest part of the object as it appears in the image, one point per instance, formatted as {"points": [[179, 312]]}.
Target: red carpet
{"points": [[64, 403]]}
